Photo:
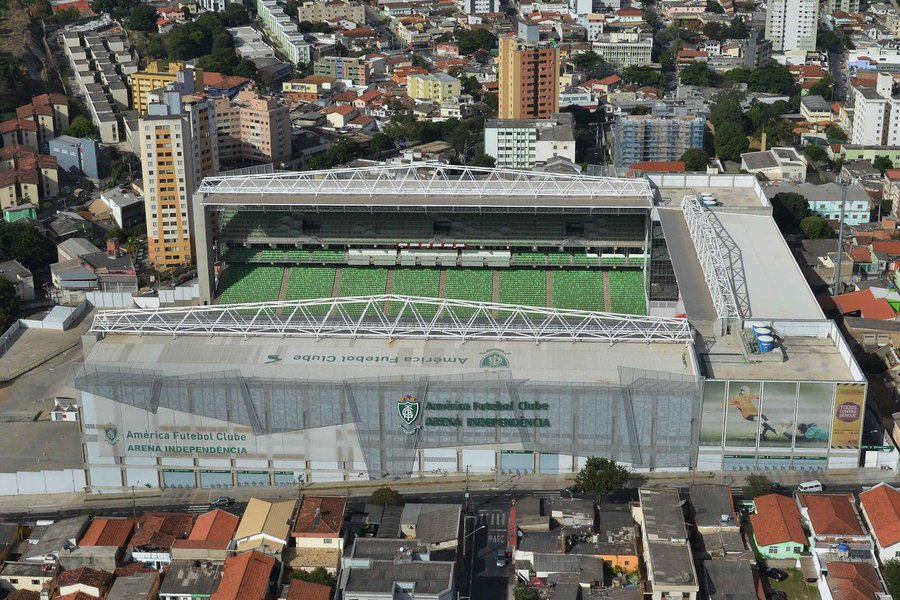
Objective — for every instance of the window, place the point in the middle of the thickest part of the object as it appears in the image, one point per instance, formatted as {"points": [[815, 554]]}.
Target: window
{"points": [[773, 549]]}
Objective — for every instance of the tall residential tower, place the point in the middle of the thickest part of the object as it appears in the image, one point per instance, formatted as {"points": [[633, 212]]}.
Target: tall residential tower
{"points": [[791, 24], [529, 80]]}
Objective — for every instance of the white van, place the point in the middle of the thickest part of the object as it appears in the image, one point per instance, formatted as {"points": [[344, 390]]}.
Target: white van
{"points": [[810, 486]]}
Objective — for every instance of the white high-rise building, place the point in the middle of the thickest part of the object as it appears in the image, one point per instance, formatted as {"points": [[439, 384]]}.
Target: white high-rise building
{"points": [[479, 7], [524, 143], [791, 24], [876, 114]]}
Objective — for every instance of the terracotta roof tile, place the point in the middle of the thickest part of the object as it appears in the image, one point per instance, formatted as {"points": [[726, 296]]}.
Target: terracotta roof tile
{"points": [[108, 532], [306, 590], [84, 576], [76, 596], [777, 520], [215, 526], [320, 516], [246, 577], [882, 506], [161, 529], [868, 305], [831, 514], [658, 166], [853, 581], [891, 247]]}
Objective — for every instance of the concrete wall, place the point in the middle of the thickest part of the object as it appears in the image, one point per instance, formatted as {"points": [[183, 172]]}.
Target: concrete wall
{"points": [[42, 482]]}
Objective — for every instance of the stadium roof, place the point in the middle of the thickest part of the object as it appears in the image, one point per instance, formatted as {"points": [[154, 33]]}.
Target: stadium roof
{"points": [[424, 184]]}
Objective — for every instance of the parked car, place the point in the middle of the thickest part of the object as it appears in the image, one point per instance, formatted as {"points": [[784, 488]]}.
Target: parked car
{"points": [[501, 559], [776, 574], [222, 501]]}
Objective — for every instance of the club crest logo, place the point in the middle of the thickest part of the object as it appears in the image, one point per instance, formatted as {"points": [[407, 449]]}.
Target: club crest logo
{"points": [[494, 359], [111, 433], [408, 409]]}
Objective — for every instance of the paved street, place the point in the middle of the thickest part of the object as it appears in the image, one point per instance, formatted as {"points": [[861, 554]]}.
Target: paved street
{"points": [[489, 529]]}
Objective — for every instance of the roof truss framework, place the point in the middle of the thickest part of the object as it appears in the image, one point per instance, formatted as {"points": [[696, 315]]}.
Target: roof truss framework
{"points": [[426, 179], [407, 317], [711, 252]]}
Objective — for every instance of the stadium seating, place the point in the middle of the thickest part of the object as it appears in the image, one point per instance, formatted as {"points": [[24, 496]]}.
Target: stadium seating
{"points": [[586, 259], [417, 282], [361, 282], [310, 282], [530, 258], [523, 286], [469, 284], [579, 290], [626, 292], [245, 283], [329, 256], [559, 258], [612, 260]]}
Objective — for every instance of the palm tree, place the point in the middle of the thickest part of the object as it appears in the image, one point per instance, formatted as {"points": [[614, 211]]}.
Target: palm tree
{"points": [[131, 245]]}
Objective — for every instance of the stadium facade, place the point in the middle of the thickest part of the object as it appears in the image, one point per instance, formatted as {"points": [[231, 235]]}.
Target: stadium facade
{"points": [[412, 321]]}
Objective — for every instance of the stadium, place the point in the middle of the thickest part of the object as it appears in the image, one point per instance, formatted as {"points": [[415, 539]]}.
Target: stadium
{"points": [[417, 320]]}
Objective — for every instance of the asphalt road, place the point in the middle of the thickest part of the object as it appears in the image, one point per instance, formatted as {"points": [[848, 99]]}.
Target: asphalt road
{"points": [[837, 67]]}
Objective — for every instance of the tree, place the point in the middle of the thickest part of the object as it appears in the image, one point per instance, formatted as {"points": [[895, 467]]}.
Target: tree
{"points": [[737, 75], [381, 143], [115, 233], [788, 209], [816, 228], [235, 15], [587, 61], [834, 132], [9, 303], [823, 87], [699, 73], [883, 163], [143, 18], [22, 242], [737, 30], [523, 592], [601, 476], [771, 79], [651, 18], [643, 76], [726, 107], [695, 159], [890, 570], [318, 575], [816, 153], [730, 141], [483, 160], [714, 7], [641, 109], [65, 15], [386, 496], [758, 485], [469, 41], [81, 127], [828, 40]]}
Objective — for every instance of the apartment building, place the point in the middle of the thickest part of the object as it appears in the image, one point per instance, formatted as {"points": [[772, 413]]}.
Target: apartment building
{"points": [[158, 74], [649, 138], [524, 143], [177, 146], [624, 48], [26, 176], [284, 31], [876, 114], [848, 6], [315, 12], [50, 112], [252, 129], [792, 24], [479, 7], [437, 87], [529, 80], [357, 71]]}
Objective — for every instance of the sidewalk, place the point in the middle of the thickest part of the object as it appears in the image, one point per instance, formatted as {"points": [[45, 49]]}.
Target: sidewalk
{"points": [[49, 503]]}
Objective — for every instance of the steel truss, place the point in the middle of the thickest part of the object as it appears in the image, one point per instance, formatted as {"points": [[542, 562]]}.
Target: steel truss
{"points": [[426, 179], [407, 317], [711, 252]]}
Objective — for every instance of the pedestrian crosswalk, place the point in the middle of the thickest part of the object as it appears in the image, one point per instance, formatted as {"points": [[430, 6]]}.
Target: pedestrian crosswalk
{"points": [[548, 494], [198, 508], [493, 519]]}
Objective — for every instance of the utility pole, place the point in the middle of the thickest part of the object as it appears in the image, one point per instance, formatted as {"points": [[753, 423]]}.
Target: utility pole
{"points": [[840, 245], [467, 489]]}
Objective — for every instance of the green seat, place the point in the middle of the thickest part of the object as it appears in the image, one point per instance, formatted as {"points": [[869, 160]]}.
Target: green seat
{"points": [[578, 290], [248, 283], [626, 292], [416, 282], [361, 282], [476, 285], [527, 287]]}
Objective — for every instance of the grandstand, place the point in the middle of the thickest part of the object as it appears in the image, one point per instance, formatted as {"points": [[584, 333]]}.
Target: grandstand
{"points": [[551, 247]]}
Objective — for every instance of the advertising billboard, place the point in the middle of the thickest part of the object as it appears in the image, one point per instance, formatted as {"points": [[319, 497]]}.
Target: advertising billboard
{"points": [[849, 402], [779, 407], [814, 415], [712, 413], [742, 414]]}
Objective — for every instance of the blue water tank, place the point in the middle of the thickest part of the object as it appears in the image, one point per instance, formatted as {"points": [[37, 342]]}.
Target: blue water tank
{"points": [[766, 343]]}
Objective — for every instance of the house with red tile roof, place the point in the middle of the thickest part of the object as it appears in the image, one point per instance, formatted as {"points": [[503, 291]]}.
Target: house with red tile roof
{"points": [[210, 537], [246, 577], [155, 534], [103, 546], [318, 532], [863, 304], [306, 590], [836, 529], [880, 509], [853, 581], [92, 582], [776, 527], [655, 166]]}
